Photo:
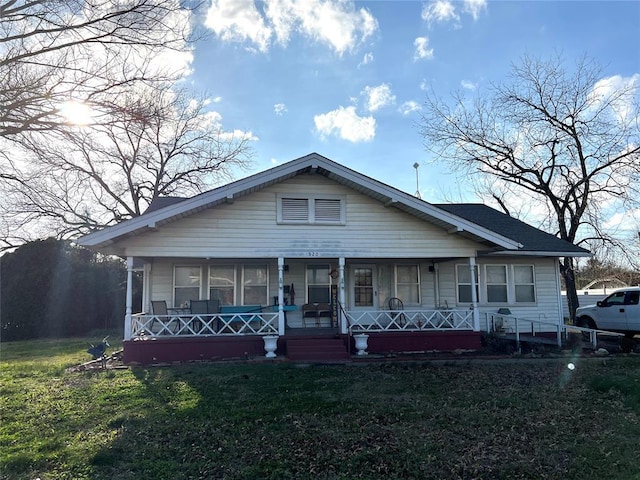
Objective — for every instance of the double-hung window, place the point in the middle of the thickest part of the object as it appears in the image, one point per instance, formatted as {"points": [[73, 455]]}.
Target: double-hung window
{"points": [[255, 285], [408, 284], [496, 283], [524, 281], [318, 284], [463, 274], [222, 284], [186, 285], [311, 209]]}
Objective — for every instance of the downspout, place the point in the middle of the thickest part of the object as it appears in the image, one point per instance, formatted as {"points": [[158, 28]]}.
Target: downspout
{"points": [[474, 295], [436, 281], [129, 299]]}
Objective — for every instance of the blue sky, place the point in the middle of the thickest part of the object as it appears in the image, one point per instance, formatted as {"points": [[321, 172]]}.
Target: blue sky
{"points": [[347, 79]]}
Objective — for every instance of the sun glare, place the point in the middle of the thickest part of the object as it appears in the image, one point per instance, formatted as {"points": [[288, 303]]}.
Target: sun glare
{"points": [[76, 113]]}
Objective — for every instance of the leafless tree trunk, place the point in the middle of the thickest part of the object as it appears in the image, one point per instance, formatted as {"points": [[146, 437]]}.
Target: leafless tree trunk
{"points": [[566, 141]]}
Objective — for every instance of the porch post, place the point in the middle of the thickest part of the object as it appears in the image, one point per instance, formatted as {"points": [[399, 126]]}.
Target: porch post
{"points": [[474, 295], [280, 296], [341, 295], [129, 299]]}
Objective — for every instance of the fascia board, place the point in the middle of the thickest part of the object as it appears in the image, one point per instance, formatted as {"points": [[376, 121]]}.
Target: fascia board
{"points": [[530, 253], [394, 194], [275, 174]]}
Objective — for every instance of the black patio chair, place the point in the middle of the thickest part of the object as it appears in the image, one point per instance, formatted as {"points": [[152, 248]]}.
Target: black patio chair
{"points": [[397, 310]]}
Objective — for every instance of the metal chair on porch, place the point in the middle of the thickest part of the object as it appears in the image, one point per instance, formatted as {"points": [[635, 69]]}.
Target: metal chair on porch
{"points": [[324, 311], [396, 308], [159, 308], [309, 311]]}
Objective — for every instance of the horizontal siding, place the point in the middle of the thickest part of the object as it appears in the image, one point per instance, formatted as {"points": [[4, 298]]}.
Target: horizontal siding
{"points": [[546, 307], [247, 228]]}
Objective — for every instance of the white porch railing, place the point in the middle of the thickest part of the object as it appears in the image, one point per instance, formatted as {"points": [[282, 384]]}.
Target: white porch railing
{"points": [[409, 320], [145, 325]]}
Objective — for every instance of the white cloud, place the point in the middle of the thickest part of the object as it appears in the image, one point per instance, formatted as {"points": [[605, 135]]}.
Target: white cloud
{"points": [[422, 49], [368, 58], [346, 124], [620, 92], [336, 23], [238, 20], [468, 85], [474, 7], [217, 99], [408, 107], [280, 109], [439, 11], [378, 97]]}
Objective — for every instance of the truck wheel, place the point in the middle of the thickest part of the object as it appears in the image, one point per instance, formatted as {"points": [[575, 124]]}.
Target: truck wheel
{"points": [[586, 322]]}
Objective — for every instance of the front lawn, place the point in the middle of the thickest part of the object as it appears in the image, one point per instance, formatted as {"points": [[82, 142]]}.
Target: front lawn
{"points": [[480, 419]]}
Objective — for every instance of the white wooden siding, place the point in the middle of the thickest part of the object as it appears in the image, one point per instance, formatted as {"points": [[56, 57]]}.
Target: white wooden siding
{"points": [[247, 228], [546, 307]]}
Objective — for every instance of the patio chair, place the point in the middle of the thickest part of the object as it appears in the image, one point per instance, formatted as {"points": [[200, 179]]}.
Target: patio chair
{"points": [[324, 311], [309, 311], [397, 307], [159, 307]]}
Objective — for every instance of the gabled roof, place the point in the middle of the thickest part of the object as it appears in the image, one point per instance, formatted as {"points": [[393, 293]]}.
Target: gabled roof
{"points": [[169, 210]]}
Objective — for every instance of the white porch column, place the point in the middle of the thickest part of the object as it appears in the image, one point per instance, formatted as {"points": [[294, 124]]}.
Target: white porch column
{"points": [[129, 299], [341, 295], [280, 295], [474, 295]]}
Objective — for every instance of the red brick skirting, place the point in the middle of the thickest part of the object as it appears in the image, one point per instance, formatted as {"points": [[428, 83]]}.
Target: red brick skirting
{"points": [[185, 349]]}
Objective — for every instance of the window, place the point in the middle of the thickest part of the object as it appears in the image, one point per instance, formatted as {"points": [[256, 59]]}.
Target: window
{"points": [[524, 281], [327, 209], [255, 285], [222, 284], [363, 287], [463, 273], [408, 284], [186, 285], [318, 284], [496, 283]]}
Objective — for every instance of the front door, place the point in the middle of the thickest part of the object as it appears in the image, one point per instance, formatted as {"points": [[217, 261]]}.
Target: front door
{"points": [[364, 288]]}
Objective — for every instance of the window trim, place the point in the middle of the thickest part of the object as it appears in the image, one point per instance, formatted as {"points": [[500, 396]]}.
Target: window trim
{"points": [[266, 284], [174, 287], [234, 267], [417, 284], [481, 284], [311, 209], [534, 284], [506, 284]]}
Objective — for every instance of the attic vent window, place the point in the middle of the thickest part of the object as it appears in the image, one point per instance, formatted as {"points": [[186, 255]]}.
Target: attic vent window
{"points": [[310, 209]]}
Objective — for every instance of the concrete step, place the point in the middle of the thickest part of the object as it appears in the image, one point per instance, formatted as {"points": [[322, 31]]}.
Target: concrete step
{"points": [[324, 349]]}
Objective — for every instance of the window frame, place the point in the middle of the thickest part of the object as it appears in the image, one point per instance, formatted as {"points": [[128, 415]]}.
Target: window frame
{"points": [[308, 284], [265, 300], [506, 284], [458, 284], [533, 276], [311, 209], [416, 284], [175, 286], [234, 285]]}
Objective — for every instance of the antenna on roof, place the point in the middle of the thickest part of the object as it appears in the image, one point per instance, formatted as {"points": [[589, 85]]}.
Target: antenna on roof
{"points": [[416, 165]]}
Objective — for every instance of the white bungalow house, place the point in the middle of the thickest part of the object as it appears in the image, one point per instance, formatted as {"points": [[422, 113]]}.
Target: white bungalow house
{"points": [[312, 252]]}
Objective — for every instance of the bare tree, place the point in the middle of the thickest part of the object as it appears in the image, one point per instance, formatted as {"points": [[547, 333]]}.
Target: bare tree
{"points": [[159, 143], [53, 51], [567, 140]]}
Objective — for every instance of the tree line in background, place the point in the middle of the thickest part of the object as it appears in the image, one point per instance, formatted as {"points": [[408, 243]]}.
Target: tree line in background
{"points": [[50, 288]]}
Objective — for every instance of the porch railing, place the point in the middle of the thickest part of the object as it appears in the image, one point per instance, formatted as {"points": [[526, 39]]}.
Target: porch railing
{"points": [[145, 325], [408, 320]]}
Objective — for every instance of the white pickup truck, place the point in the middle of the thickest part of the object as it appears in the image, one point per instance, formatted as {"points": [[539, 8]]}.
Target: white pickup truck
{"points": [[619, 312]]}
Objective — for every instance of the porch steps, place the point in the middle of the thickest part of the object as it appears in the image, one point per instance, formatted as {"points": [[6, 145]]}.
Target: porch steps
{"points": [[315, 349]]}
